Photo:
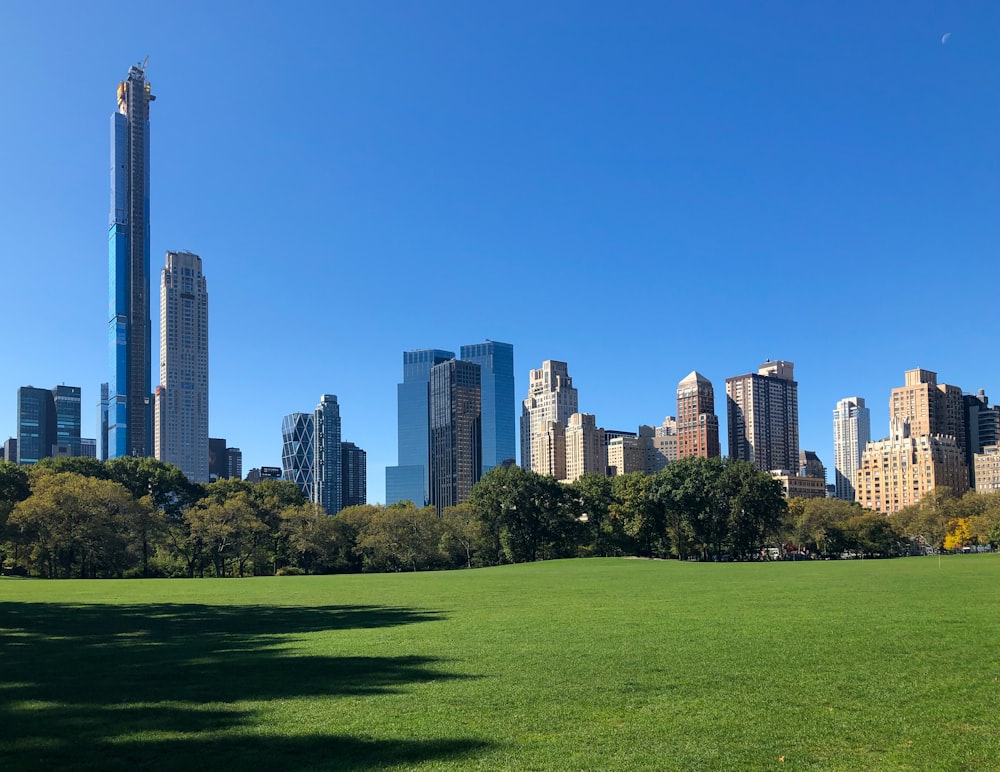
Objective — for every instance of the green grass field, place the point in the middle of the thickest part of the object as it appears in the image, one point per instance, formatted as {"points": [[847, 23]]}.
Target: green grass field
{"points": [[585, 664]]}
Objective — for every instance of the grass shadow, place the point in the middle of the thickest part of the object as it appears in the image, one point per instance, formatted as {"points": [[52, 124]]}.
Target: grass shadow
{"points": [[163, 685]]}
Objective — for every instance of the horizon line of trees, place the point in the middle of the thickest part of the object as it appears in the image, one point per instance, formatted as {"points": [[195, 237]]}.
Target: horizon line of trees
{"points": [[138, 517]]}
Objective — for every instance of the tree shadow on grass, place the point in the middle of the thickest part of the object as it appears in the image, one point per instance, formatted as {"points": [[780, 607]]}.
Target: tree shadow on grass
{"points": [[100, 686]]}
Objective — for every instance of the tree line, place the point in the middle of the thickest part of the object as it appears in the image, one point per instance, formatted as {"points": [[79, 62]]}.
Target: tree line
{"points": [[131, 517]]}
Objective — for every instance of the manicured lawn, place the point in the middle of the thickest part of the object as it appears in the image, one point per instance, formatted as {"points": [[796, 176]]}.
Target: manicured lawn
{"points": [[587, 664]]}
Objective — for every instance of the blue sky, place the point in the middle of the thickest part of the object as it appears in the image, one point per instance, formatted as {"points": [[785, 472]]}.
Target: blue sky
{"points": [[638, 189]]}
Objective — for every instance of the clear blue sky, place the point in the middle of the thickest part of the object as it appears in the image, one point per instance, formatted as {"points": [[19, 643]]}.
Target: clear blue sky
{"points": [[639, 189]]}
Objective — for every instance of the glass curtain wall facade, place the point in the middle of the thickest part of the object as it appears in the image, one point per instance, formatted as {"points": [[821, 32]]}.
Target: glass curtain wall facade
{"points": [[408, 480], [496, 363], [130, 409], [455, 416], [66, 401], [36, 425], [297, 432]]}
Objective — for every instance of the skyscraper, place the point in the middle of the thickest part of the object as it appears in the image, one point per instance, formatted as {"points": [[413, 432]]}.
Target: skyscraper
{"points": [[763, 413], [929, 407], [181, 400], [36, 424], [455, 413], [496, 364], [66, 403], [545, 412], [585, 452], [408, 480], [697, 423], [130, 412], [354, 474], [852, 431], [326, 454], [48, 423], [297, 449]]}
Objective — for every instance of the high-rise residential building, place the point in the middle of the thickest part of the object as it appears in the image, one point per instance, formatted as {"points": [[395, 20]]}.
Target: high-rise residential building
{"points": [[763, 415], [129, 409], [810, 465], [697, 423], [929, 407], [626, 454], [659, 445], [982, 429], [496, 364], [326, 455], [354, 474], [408, 480], [545, 412], [36, 424], [297, 449], [585, 452], [455, 417], [898, 471], [851, 433], [181, 399], [988, 469]]}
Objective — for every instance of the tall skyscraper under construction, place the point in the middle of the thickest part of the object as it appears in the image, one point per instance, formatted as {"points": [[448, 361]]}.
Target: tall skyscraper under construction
{"points": [[130, 399]]}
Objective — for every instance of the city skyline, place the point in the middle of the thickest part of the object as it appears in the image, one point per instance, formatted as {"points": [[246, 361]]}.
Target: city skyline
{"points": [[756, 162]]}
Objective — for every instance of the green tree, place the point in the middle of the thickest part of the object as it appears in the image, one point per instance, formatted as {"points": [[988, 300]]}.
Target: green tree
{"points": [[816, 518], [694, 512], [603, 524], [82, 465], [755, 506], [461, 535], [79, 526], [639, 514], [401, 537], [525, 515]]}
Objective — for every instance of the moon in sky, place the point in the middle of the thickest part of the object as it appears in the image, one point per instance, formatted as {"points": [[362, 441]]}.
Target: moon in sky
{"points": [[945, 37]]}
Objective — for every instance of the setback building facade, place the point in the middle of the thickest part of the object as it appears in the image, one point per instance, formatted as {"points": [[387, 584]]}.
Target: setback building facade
{"points": [[180, 412], [697, 423], [851, 433], [545, 412]]}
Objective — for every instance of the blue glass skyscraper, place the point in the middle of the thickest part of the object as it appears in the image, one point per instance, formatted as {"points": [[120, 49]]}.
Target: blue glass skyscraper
{"points": [[408, 480], [496, 363], [130, 400]]}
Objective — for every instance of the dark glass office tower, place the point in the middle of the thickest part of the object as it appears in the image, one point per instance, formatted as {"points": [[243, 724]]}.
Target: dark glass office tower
{"points": [[66, 402], [456, 456], [353, 473], [408, 480], [496, 363], [36, 424], [130, 400]]}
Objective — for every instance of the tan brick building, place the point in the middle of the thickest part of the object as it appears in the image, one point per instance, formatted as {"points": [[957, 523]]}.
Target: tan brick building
{"points": [[584, 447], [896, 472]]}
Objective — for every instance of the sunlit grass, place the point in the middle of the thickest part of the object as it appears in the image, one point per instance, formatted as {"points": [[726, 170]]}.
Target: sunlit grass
{"points": [[568, 664]]}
